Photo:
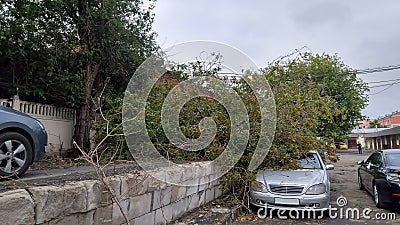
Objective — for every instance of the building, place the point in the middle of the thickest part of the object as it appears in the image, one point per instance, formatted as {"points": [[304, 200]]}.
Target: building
{"points": [[358, 136], [364, 124], [390, 121], [385, 139]]}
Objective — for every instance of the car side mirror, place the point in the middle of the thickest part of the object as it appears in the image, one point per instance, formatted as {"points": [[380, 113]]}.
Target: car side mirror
{"points": [[330, 167], [360, 162]]}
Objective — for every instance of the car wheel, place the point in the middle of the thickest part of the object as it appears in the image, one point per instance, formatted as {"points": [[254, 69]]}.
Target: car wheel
{"points": [[378, 198], [15, 154], [360, 184]]}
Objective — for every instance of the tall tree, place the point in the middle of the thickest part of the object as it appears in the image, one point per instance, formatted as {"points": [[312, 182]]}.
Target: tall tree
{"points": [[337, 81], [114, 38], [63, 52]]}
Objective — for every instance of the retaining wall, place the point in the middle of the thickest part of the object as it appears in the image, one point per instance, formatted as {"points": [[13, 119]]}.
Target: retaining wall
{"points": [[144, 199]]}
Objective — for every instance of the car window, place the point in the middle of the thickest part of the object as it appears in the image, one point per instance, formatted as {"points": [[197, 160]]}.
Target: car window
{"points": [[310, 161], [393, 159], [375, 159], [372, 158], [378, 160]]}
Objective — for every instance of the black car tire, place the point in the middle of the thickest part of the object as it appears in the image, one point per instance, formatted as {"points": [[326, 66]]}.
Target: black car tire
{"points": [[360, 184], [15, 154], [378, 198]]}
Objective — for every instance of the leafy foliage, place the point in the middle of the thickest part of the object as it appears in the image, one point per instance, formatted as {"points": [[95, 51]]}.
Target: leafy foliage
{"points": [[340, 83], [375, 124], [46, 46], [63, 52], [302, 104]]}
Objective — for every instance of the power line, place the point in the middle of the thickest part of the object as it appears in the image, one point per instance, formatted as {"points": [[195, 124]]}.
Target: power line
{"points": [[382, 81], [378, 69], [360, 72], [381, 90], [384, 85]]}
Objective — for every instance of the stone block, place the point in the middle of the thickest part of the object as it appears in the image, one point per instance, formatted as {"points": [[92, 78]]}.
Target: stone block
{"points": [[188, 172], [139, 205], [200, 170], [115, 184], [94, 190], [209, 195], [217, 191], [178, 192], [76, 219], [175, 175], [214, 181], [202, 197], [204, 183], [147, 219], [190, 190], [53, 202], [103, 215], [134, 184], [163, 215], [162, 197], [179, 208], [74, 198], [194, 201], [117, 215], [17, 207], [155, 184]]}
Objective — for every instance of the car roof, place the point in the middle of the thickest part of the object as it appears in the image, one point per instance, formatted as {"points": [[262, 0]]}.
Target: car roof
{"points": [[390, 151]]}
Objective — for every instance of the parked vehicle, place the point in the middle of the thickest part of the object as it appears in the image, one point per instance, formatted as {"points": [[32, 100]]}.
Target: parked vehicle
{"points": [[22, 140], [341, 145], [307, 187], [379, 175]]}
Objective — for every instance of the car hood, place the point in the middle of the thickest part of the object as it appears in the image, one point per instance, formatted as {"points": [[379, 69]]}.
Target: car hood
{"points": [[394, 169], [293, 177], [14, 112]]}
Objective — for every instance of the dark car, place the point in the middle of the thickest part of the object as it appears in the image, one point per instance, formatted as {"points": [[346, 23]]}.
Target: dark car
{"points": [[22, 140], [380, 176]]}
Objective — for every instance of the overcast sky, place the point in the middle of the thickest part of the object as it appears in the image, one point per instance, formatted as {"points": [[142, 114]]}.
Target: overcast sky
{"points": [[364, 33]]}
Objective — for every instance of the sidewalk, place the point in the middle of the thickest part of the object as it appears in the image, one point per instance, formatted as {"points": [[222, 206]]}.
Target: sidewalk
{"points": [[219, 211]]}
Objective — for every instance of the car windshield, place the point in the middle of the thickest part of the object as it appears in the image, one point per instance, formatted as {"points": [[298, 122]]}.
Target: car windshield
{"points": [[310, 161], [393, 159]]}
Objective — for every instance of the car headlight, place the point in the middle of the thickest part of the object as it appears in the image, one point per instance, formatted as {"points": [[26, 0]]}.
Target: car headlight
{"points": [[392, 177], [316, 189], [258, 186]]}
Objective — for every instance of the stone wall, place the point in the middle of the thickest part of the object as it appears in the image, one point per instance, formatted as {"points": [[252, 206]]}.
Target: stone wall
{"points": [[144, 199]]}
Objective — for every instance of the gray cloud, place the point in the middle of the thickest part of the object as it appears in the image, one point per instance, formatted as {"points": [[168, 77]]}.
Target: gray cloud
{"points": [[363, 32]]}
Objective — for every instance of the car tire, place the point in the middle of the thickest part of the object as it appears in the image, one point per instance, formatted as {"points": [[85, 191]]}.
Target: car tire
{"points": [[15, 154], [360, 184], [378, 198]]}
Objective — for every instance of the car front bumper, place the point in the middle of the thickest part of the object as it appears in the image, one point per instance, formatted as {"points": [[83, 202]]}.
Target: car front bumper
{"points": [[271, 200], [40, 144], [391, 192]]}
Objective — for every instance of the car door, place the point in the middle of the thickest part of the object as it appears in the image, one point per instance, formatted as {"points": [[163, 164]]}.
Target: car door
{"points": [[368, 170], [376, 168]]}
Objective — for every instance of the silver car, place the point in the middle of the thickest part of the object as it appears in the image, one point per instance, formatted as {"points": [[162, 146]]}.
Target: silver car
{"points": [[308, 187]]}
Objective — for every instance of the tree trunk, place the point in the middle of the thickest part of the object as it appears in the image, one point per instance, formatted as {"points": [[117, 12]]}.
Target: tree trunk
{"points": [[85, 112]]}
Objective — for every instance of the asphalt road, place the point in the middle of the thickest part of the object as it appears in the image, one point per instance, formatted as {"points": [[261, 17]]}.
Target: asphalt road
{"points": [[56, 176]]}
